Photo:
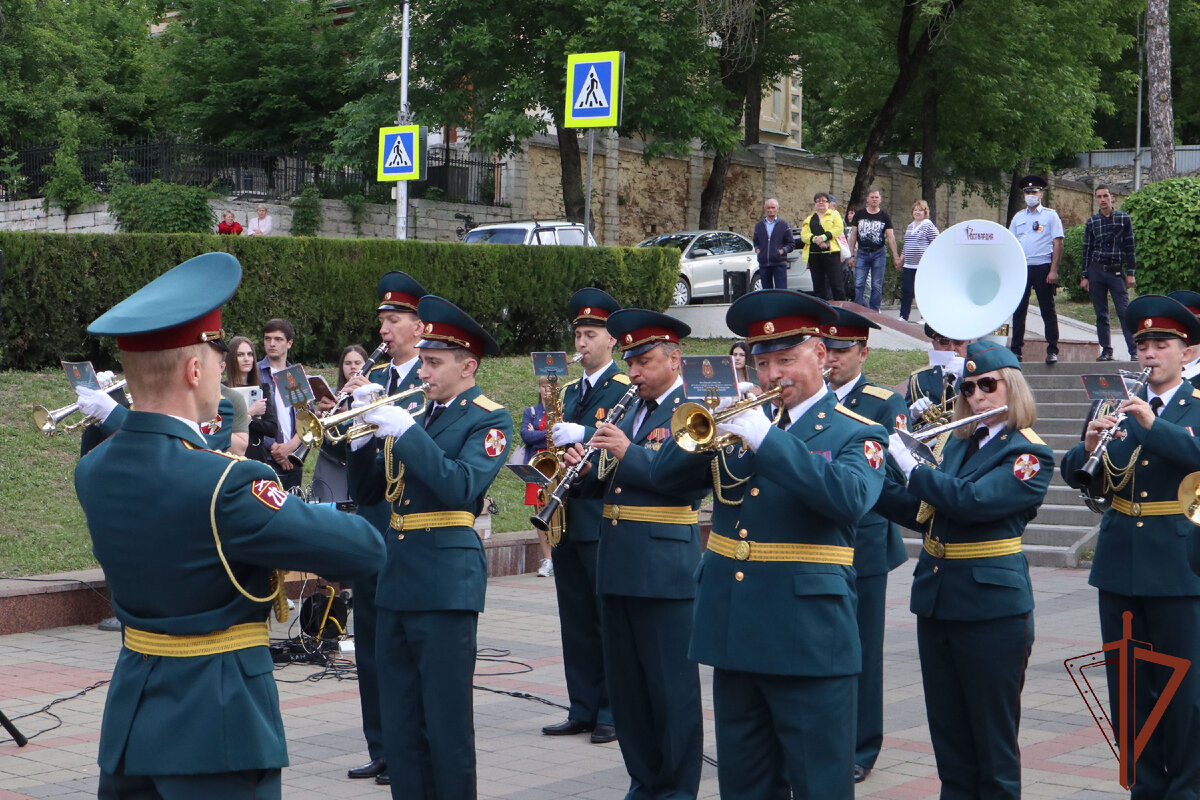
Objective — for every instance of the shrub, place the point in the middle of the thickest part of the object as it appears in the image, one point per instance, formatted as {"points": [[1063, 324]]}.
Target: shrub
{"points": [[12, 182], [1166, 223], [306, 212], [67, 188], [358, 210], [1070, 265], [57, 284], [158, 207]]}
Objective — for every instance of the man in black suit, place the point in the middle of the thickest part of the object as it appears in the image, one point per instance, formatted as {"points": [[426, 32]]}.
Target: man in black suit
{"points": [[773, 241]]}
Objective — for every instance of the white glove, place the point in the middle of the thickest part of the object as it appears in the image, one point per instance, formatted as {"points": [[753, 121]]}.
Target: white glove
{"points": [[751, 426], [95, 402], [565, 433], [106, 378], [391, 420], [365, 394], [749, 387], [919, 407], [903, 458]]}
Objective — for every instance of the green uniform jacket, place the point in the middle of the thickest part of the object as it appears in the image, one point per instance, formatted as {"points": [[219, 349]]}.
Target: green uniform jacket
{"points": [[586, 499], [450, 467], [809, 484], [649, 559], [1149, 556], [146, 492], [929, 382], [992, 497], [878, 544]]}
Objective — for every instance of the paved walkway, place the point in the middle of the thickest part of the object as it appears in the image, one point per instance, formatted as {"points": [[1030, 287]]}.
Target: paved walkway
{"points": [[1063, 752]]}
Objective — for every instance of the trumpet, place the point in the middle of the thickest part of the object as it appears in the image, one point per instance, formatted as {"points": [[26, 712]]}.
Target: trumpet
{"points": [[915, 441], [314, 431], [49, 421], [300, 453], [694, 426]]}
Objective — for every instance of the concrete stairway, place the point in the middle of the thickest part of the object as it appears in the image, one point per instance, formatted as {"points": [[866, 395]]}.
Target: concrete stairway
{"points": [[1064, 526]]}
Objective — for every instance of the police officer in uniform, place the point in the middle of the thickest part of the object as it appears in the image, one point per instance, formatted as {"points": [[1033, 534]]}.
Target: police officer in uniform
{"points": [[189, 540], [971, 590], [934, 385], [1191, 370], [878, 546], [775, 603], [434, 470], [649, 548], [400, 328], [585, 404], [1141, 562]]}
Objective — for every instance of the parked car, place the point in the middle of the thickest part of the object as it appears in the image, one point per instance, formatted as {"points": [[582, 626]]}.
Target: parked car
{"points": [[705, 256], [529, 232]]}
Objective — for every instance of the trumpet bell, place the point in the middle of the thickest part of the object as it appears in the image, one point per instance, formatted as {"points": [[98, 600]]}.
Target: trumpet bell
{"points": [[971, 279], [1189, 497], [692, 427]]}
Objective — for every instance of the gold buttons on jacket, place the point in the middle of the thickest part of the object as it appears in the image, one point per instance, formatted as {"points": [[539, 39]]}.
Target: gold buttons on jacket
{"points": [[1143, 494], [1139, 523], [743, 533], [820, 415], [818, 427], [739, 575], [617, 490], [407, 501], [1145, 463], [935, 568], [400, 537], [754, 492]]}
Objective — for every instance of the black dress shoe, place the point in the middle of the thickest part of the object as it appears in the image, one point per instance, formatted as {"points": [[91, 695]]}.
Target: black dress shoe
{"points": [[373, 768], [603, 734], [383, 779], [1105, 356], [568, 727], [1052, 358], [861, 773]]}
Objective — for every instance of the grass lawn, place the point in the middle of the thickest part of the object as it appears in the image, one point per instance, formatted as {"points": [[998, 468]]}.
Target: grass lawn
{"points": [[42, 527]]}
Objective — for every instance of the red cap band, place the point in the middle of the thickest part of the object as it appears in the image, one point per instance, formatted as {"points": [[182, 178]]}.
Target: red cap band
{"points": [[593, 314], [641, 336], [1162, 325], [845, 333], [394, 298], [169, 338], [451, 334]]}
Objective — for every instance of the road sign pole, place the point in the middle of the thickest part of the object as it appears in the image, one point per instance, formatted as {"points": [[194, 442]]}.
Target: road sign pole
{"points": [[403, 119], [587, 192]]}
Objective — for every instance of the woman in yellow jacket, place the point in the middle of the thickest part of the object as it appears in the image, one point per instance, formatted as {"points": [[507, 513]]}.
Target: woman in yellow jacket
{"points": [[821, 251]]}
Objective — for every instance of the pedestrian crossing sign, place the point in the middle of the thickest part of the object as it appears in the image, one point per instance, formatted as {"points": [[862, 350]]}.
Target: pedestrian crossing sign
{"points": [[594, 90], [400, 153]]}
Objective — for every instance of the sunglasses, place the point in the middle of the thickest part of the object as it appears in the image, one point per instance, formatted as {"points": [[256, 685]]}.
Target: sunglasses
{"points": [[942, 341], [986, 385]]}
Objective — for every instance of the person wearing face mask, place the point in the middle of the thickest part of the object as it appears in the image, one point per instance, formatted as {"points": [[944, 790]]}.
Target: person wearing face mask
{"points": [[1040, 232]]}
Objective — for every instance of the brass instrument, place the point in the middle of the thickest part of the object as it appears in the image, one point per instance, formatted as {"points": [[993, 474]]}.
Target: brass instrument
{"points": [[300, 453], [1095, 485], [937, 414], [549, 461], [1189, 497], [694, 426], [915, 441], [49, 422], [314, 431]]}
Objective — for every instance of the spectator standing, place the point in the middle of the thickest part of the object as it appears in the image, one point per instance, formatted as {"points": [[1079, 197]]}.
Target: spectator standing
{"points": [[278, 337], [1040, 232], [261, 225], [329, 481], [867, 234], [739, 351], [1109, 261], [821, 250], [244, 372], [229, 226], [917, 236], [773, 240]]}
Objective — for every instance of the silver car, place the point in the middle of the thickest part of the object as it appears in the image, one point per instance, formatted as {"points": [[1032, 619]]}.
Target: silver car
{"points": [[705, 257]]}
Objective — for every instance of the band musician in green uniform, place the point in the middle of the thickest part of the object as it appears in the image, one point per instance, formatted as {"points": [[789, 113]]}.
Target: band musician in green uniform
{"points": [[775, 602], [878, 546], [585, 404], [1191, 370], [433, 470], [934, 386], [191, 562], [1141, 563], [971, 589], [400, 328], [649, 548]]}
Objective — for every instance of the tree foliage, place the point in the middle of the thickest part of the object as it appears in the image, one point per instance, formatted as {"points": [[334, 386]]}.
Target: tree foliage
{"points": [[158, 207], [1166, 218], [67, 188]]}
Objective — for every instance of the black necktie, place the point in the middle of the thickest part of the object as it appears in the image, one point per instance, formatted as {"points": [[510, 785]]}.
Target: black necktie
{"points": [[1156, 405], [584, 385], [651, 406], [785, 418], [393, 380], [433, 414], [981, 433]]}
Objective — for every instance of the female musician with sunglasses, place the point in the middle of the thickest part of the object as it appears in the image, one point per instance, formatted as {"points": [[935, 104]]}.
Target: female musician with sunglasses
{"points": [[971, 589]]}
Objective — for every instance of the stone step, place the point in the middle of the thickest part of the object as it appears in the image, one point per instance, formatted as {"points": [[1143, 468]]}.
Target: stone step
{"points": [[1075, 395], [1051, 514], [1032, 369], [1039, 382], [1060, 427], [1074, 411]]}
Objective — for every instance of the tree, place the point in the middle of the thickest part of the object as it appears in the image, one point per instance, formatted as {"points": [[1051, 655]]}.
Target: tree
{"points": [[1158, 75], [499, 69]]}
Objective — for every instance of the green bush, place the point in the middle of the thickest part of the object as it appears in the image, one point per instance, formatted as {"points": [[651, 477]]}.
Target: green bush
{"points": [[67, 188], [158, 207], [55, 285], [357, 204], [1070, 265], [306, 212], [1166, 223]]}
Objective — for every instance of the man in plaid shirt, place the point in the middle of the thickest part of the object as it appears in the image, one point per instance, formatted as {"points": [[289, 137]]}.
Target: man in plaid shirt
{"points": [[1108, 266]]}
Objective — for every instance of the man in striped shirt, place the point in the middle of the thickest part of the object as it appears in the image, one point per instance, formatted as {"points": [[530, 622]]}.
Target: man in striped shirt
{"points": [[1109, 262]]}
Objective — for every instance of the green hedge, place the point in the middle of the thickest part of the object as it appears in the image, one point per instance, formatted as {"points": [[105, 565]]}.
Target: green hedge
{"points": [[55, 284], [1166, 224], [1070, 265]]}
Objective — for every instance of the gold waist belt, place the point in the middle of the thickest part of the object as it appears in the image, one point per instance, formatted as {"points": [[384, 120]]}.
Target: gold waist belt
{"points": [[1160, 508], [674, 515], [999, 547], [433, 519], [239, 637], [742, 550]]}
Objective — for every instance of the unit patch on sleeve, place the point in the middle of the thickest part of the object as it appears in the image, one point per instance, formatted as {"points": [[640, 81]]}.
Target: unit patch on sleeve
{"points": [[270, 493]]}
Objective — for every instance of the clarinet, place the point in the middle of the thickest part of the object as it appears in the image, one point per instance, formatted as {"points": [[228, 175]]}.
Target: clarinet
{"points": [[541, 520], [300, 453], [1085, 476]]}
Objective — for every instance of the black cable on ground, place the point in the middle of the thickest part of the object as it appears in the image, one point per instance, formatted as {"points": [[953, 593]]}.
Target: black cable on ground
{"points": [[46, 710]]}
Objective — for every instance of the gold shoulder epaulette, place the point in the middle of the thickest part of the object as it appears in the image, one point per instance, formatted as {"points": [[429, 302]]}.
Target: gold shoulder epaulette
{"points": [[226, 453], [487, 405], [1031, 435], [877, 391], [621, 377], [864, 420], [919, 371], [377, 367]]}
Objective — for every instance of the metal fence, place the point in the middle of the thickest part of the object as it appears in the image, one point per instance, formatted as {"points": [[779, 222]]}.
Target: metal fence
{"points": [[258, 174], [1187, 158]]}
